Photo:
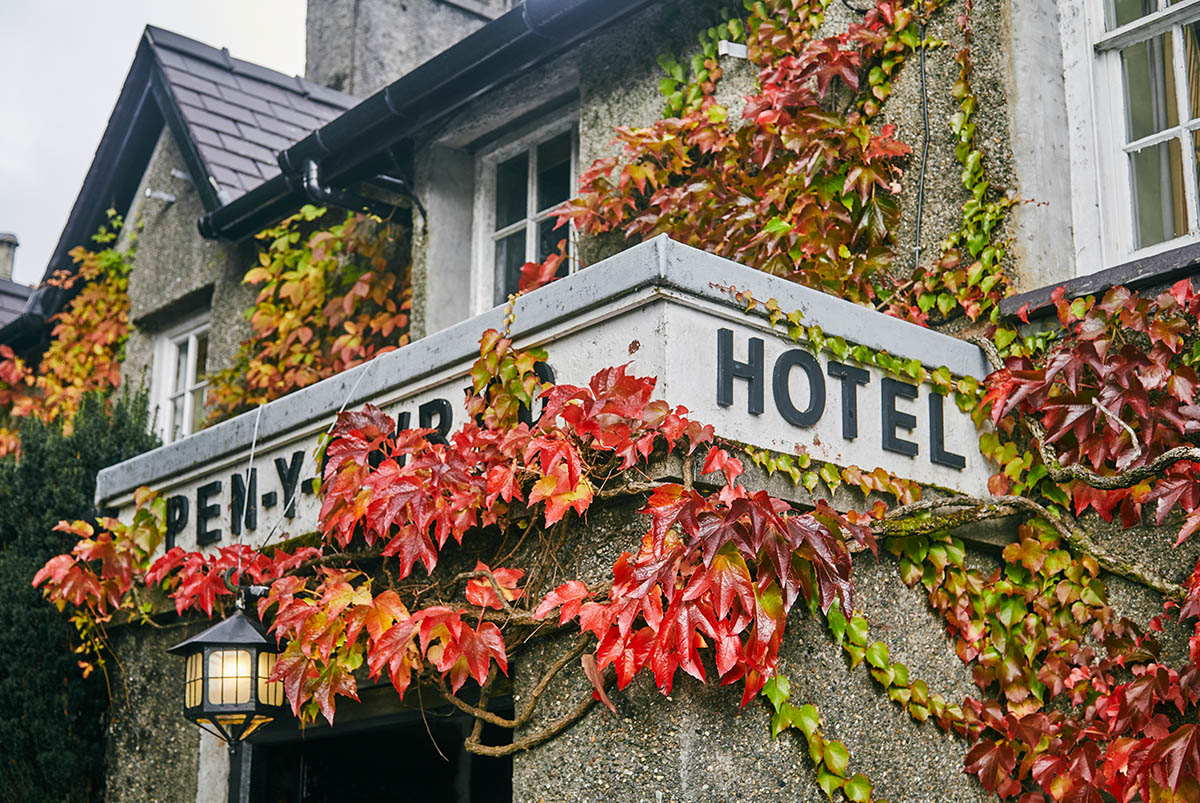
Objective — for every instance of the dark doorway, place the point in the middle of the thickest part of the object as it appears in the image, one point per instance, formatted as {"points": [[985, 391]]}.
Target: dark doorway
{"points": [[381, 761]]}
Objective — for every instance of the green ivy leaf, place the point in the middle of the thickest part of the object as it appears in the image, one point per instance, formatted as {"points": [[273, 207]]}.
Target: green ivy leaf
{"points": [[807, 719], [837, 758], [856, 654], [877, 655], [857, 629], [777, 226], [777, 690], [885, 677], [837, 622], [783, 719], [816, 749], [810, 480], [858, 789], [828, 782], [831, 476]]}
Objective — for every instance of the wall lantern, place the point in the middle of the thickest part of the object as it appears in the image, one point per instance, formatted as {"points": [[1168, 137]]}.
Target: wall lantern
{"points": [[225, 681]]}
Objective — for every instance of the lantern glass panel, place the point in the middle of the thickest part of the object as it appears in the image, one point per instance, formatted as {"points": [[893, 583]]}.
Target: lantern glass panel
{"points": [[194, 680], [268, 693], [229, 677]]}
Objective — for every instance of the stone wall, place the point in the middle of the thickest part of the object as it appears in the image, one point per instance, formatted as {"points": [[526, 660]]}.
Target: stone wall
{"points": [[695, 745], [153, 752], [176, 273]]}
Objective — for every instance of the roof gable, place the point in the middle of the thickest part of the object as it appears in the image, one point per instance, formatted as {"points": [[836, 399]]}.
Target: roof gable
{"points": [[233, 116], [228, 118]]}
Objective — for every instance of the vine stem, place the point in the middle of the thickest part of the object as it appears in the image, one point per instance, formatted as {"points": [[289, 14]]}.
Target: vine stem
{"points": [[1001, 506], [628, 489], [473, 743], [480, 574], [1103, 482]]}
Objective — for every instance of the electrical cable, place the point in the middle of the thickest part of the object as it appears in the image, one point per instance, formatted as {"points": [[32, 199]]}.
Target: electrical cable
{"points": [[246, 495], [292, 502]]}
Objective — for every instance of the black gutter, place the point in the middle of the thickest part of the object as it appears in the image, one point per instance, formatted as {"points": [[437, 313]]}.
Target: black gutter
{"points": [[359, 144], [321, 193]]}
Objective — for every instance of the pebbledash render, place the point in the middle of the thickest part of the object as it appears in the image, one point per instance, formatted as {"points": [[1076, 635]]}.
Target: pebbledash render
{"points": [[434, 95]]}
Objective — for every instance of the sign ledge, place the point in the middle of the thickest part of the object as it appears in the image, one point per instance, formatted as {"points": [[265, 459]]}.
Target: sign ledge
{"points": [[658, 265]]}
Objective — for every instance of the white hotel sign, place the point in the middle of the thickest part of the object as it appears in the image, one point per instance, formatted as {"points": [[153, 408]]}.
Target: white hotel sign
{"points": [[659, 306]]}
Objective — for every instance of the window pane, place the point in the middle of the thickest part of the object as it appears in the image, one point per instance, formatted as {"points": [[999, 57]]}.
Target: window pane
{"points": [[268, 693], [201, 356], [512, 185], [1120, 12], [554, 171], [229, 677], [1191, 67], [179, 381], [510, 256], [1158, 204], [176, 431], [194, 679], [198, 409], [1149, 87], [549, 238]]}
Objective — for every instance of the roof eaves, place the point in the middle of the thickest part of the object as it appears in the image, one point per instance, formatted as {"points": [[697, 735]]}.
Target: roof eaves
{"points": [[363, 139]]}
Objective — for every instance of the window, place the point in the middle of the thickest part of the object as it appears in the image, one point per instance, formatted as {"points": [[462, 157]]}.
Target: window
{"points": [[521, 183], [181, 362], [1146, 86]]}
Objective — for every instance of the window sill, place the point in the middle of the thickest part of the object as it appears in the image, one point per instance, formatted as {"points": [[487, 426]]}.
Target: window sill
{"points": [[1160, 268]]}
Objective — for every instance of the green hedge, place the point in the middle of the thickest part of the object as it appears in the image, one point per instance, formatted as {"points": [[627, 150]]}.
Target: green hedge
{"points": [[51, 719]]}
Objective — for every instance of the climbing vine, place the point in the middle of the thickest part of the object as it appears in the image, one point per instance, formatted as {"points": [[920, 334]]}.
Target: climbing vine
{"points": [[86, 343], [332, 297], [1093, 420]]}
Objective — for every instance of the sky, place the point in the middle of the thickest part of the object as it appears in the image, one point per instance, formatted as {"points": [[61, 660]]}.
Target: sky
{"points": [[62, 64]]}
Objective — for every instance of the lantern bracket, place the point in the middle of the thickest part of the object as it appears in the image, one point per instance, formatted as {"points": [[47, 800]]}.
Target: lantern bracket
{"points": [[243, 591]]}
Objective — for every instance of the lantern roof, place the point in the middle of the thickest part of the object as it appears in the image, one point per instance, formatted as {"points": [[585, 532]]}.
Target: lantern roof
{"points": [[237, 629]]}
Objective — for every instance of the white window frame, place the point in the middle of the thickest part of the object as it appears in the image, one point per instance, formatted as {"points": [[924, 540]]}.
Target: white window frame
{"points": [[1101, 185], [166, 352], [526, 139]]}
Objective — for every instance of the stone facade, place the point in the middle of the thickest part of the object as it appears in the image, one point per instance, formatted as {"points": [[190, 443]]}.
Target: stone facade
{"points": [[177, 273], [696, 744]]}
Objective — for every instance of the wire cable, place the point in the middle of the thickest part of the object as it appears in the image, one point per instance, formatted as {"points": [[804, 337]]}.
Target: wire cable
{"points": [[246, 493], [292, 502]]}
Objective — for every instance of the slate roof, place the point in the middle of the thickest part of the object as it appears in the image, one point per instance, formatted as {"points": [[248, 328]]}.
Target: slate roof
{"points": [[238, 114], [12, 299]]}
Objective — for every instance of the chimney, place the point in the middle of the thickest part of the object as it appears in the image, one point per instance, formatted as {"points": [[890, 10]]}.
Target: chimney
{"points": [[8, 250], [360, 46]]}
